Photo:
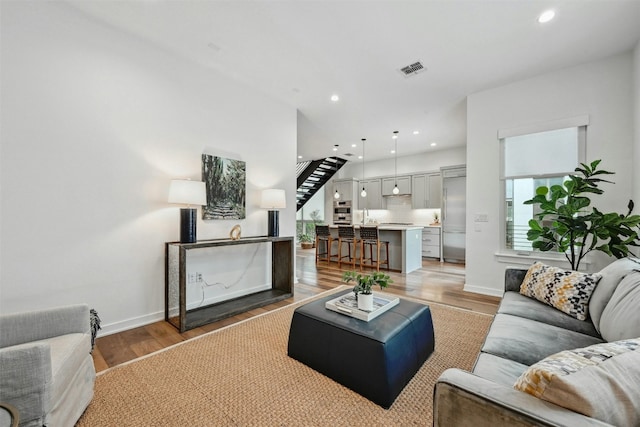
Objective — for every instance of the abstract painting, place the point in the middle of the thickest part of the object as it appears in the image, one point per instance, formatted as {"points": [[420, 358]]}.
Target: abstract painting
{"points": [[225, 180]]}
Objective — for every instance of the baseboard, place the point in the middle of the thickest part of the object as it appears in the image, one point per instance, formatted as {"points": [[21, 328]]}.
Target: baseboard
{"points": [[135, 322], [113, 328], [484, 291]]}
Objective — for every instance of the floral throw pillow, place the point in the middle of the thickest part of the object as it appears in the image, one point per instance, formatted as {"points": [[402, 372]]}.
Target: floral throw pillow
{"points": [[567, 290], [599, 381]]}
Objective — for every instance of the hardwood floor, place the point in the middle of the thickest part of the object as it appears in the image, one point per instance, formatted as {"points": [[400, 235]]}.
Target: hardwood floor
{"points": [[435, 281]]}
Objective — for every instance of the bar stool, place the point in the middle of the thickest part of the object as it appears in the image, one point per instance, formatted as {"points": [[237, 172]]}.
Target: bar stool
{"points": [[346, 234], [369, 238], [324, 235]]}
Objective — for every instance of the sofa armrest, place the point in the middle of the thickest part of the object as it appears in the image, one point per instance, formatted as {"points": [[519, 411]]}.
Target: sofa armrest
{"points": [[26, 379], [31, 326], [513, 278], [464, 399]]}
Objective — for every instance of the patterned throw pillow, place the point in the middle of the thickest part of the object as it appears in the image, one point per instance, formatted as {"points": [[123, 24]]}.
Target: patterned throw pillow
{"points": [[568, 291], [599, 381]]}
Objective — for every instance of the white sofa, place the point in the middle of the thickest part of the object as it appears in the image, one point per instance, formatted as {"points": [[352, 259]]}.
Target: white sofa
{"points": [[46, 368]]}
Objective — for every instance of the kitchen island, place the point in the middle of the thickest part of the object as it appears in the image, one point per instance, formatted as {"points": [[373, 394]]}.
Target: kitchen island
{"points": [[405, 245]]}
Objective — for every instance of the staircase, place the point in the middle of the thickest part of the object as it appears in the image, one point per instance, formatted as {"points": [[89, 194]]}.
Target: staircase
{"points": [[312, 175]]}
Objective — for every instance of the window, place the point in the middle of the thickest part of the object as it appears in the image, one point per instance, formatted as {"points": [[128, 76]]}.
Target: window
{"points": [[528, 162]]}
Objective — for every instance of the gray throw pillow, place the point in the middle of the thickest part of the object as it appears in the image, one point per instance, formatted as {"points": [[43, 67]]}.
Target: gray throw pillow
{"points": [[621, 317], [611, 277]]}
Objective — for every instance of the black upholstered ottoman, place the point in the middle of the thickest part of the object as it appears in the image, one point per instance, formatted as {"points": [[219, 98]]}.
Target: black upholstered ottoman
{"points": [[376, 359]]}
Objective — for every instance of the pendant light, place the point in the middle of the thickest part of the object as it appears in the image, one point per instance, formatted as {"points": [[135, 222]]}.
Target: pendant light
{"points": [[396, 190], [363, 193], [336, 194]]}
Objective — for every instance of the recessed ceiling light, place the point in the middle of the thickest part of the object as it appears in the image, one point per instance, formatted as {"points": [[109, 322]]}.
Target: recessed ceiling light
{"points": [[354, 145], [335, 148], [335, 98], [433, 144], [415, 132], [393, 151], [546, 16], [359, 157], [299, 157]]}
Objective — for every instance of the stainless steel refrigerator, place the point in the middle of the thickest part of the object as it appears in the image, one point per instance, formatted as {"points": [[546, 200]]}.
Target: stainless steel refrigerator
{"points": [[454, 214]]}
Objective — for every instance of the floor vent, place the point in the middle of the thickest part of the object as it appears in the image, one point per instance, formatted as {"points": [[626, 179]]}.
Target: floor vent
{"points": [[412, 69]]}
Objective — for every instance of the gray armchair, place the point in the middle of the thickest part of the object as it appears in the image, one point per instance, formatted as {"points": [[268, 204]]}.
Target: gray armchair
{"points": [[46, 369]]}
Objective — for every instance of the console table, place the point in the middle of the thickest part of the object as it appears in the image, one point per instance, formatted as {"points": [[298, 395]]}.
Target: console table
{"points": [[184, 318]]}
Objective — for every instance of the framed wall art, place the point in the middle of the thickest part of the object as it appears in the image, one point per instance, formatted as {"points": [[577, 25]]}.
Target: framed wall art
{"points": [[225, 180]]}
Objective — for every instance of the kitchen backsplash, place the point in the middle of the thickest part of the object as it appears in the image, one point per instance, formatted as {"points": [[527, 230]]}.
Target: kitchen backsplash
{"points": [[399, 211]]}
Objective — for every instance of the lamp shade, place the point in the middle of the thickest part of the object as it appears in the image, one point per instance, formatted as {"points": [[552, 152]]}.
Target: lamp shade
{"points": [[273, 199], [187, 192]]}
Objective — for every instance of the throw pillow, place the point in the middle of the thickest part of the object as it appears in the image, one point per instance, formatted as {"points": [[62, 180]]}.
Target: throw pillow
{"points": [[568, 291], [621, 317], [612, 274], [599, 381]]}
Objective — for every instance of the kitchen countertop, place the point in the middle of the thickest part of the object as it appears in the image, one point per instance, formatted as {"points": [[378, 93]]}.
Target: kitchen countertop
{"points": [[393, 227]]}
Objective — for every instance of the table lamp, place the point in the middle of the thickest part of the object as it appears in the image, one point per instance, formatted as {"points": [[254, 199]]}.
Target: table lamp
{"points": [[186, 192], [273, 199]]}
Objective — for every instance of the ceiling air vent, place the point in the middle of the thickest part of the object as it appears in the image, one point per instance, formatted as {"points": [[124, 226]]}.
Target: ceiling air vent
{"points": [[412, 69], [348, 154]]}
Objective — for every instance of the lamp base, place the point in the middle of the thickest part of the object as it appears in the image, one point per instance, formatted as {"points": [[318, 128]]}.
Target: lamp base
{"points": [[188, 222], [273, 224]]}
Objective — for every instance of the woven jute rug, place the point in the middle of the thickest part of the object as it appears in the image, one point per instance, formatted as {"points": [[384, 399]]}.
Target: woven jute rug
{"points": [[242, 376]]}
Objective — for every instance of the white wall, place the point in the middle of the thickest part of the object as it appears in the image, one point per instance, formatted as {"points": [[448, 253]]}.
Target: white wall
{"points": [[95, 123], [428, 161], [636, 122], [602, 89]]}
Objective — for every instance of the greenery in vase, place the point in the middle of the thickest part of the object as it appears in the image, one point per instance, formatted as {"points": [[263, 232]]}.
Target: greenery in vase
{"points": [[567, 223], [364, 282]]}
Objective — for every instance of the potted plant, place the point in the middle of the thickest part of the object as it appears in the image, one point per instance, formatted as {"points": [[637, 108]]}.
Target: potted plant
{"points": [[567, 223], [436, 218], [364, 285], [306, 241]]}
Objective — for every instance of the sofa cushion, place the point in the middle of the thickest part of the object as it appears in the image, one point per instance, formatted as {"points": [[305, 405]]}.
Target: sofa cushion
{"points": [[519, 305], [568, 291], [528, 341], [600, 381], [67, 354], [611, 276], [497, 369], [621, 317]]}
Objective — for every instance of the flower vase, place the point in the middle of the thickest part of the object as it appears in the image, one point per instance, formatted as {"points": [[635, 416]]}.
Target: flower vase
{"points": [[365, 302]]}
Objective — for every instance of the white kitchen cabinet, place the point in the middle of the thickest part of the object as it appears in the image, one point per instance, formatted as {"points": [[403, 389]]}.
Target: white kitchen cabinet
{"points": [[404, 185], [346, 188], [374, 199], [426, 191], [431, 239]]}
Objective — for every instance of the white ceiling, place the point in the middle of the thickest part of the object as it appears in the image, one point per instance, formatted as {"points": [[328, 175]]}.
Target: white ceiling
{"points": [[302, 52]]}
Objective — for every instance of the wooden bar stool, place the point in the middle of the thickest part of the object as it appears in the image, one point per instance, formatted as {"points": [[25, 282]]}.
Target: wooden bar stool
{"points": [[323, 234], [369, 238], [346, 234]]}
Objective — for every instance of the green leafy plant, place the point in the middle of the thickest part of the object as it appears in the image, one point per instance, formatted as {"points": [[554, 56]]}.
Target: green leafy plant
{"points": [[568, 223], [305, 238], [364, 282]]}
